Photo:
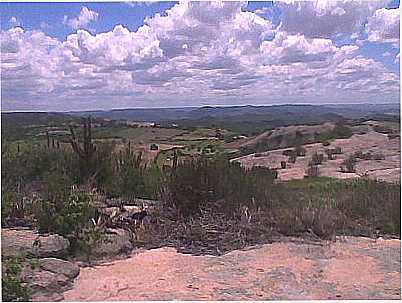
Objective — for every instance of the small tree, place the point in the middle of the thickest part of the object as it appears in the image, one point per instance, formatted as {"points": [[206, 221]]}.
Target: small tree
{"points": [[349, 165]]}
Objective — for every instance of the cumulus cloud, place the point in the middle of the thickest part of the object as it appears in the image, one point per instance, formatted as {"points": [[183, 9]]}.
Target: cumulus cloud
{"points": [[139, 3], [383, 26], [85, 17], [14, 22], [319, 19], [200, 51]]}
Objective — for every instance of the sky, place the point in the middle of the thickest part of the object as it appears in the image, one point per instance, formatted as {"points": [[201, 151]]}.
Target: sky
{"points": [[86, 56]]}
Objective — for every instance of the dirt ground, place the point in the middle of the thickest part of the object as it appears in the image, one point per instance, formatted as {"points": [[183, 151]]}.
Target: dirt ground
{"points": [[388, 169], [351, 268]]}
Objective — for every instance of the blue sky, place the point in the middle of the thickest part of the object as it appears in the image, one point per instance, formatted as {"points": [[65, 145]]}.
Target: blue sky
{"points": [[97, 55], [31, 15]]}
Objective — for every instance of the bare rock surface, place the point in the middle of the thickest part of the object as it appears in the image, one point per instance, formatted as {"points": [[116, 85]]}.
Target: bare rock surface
{"points": [[351, 268], [17, 241]]}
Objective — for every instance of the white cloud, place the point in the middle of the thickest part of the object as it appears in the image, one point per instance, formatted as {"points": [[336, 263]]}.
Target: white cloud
{"points": [[319, 19], [14, 22], [383, 26], [85, 17], [139, 3], [204, 52]]}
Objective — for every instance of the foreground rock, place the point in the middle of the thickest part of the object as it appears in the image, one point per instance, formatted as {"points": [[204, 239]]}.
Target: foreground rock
{"points": [[23, 241], [48, 278], [351, 268]]}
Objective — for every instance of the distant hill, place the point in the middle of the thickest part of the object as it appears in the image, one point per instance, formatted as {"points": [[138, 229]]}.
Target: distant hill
{"points": [[14, 125], [248, 120], [243, 112]]}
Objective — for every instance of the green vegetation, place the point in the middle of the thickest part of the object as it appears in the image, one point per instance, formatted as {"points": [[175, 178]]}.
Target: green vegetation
{"points": [[340, 131], [12, 288]]}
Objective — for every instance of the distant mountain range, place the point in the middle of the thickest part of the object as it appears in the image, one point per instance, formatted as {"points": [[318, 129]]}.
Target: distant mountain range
{"points": [[248, 120], [243, 112]]}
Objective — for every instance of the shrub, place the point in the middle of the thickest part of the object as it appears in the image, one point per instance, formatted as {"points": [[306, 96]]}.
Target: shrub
{"points": [[67, 219], [292, 158], [316, 159], [288, 152], [13, 290], [393, 136], [337, 151], [195, 183], [383, 129], [300, 151], [312, 171], [330, 154]]}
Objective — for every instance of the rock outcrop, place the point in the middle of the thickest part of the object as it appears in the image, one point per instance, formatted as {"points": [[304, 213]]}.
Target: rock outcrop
{"points": [[23, 241], [42, 271], [116, 241]]}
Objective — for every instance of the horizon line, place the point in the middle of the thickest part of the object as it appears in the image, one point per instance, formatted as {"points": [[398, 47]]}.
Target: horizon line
{"points": [[196, 107]]}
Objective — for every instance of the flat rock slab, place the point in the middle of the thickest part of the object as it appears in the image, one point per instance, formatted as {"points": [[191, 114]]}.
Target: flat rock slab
{"points": [[20, 241], [351, 268]]}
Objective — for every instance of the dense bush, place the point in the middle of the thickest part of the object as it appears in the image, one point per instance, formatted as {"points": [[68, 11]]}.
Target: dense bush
{"points": [[69, 218], [194, 183]]}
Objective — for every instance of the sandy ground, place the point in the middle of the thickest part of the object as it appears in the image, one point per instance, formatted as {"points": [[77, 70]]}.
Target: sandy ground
{"points": [[388, 169], [351, 268]]}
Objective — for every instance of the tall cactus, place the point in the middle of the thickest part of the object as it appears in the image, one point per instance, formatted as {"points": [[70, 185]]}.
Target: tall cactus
{"points": [[47, 139], [86, 149]]}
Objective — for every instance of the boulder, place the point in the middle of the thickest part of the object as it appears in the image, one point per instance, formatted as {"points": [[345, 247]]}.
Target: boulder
{"points": [[23, 241], [116, 241], [58, 266], [44, 281]]}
